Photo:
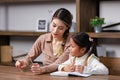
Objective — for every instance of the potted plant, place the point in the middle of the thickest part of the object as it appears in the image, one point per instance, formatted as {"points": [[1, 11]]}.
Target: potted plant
{"points": [[97, 23]]}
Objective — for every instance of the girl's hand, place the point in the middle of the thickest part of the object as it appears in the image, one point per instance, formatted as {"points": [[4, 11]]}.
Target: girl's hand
{"points": [[69, 68], [20, 64], [79, 68], [36, 69]]}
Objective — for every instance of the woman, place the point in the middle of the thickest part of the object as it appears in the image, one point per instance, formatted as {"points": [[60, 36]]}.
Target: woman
{"points": [[53, 45]]}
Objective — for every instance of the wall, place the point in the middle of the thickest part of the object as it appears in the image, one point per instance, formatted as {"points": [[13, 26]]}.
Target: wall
{"points": [[2, 18], [110, 11], [24, 17]]}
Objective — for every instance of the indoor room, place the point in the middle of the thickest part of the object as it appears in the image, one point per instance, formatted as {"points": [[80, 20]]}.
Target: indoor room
{"points": [[34, 45]]}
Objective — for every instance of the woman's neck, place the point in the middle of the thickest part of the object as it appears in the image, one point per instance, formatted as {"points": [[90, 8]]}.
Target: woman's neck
{"points": [[57, 40]]}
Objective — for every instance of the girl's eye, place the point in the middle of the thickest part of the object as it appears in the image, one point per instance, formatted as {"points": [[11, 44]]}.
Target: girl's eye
{"points": [[72, 46]]}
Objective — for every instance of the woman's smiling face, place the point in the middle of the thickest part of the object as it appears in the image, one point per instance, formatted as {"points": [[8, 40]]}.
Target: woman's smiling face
{"points": [[57, 28]]}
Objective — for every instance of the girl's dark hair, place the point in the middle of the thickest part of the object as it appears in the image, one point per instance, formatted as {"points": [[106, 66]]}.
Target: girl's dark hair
{"points": [[82, 39], [64, 15]]}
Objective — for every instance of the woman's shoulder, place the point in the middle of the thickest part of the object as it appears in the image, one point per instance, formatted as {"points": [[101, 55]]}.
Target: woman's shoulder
{"points": [[45, 35]]}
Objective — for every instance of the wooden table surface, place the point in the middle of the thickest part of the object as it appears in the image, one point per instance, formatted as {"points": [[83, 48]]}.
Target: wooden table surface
{"points": [[11, 73]]}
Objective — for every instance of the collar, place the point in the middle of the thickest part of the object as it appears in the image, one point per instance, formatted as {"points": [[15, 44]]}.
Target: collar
{"points": [[49, 37], [83, 57]]}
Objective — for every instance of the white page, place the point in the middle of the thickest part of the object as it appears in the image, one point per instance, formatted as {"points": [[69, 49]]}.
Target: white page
{"points": [[62, 73]]}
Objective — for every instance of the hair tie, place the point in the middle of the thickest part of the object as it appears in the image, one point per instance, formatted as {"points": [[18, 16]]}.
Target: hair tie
{"points": [[90, 39]]}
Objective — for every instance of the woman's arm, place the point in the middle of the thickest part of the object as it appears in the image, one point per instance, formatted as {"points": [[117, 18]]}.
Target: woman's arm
{"points": [[54, 66]]}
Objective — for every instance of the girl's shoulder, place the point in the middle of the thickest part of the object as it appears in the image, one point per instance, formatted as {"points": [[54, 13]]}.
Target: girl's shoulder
{"points": [[92, 58]]}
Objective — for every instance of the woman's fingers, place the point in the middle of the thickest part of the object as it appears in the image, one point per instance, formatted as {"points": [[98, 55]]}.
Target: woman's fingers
{"points": [[17, 64], [20, 64], [35, 68], [35, 64]]}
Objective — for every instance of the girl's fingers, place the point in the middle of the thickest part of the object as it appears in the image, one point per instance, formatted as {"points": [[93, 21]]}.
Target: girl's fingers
{"points": [[72, 67], [73, 63], [79, 68]]}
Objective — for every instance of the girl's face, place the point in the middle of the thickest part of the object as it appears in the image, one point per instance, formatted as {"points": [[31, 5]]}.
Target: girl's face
{"points": [[57, 28], [76, 50]]}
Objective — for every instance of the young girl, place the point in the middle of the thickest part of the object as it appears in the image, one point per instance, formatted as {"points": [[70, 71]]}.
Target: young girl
{"points": [[81, 60]]}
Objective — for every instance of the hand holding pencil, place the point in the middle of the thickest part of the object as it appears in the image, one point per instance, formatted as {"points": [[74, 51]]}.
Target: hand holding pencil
{"points": [[69, 68], [23, 63]]}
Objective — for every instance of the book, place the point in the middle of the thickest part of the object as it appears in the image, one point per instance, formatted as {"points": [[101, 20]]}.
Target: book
{"points": [[62, 73]]}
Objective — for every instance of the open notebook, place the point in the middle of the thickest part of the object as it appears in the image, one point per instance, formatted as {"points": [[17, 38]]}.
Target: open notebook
{"points": [[62, 73]]}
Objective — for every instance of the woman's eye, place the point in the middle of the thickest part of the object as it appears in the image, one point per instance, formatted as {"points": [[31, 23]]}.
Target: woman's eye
{"points": [[54, 25], [61, 28]]}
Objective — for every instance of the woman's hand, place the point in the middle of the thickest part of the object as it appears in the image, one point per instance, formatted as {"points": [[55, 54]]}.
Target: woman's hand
{"points": [[79, 68], [20, 64], [36, 69]]}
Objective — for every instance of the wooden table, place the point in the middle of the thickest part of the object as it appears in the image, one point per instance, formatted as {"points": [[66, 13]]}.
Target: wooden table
{"points": [[11, 73]]}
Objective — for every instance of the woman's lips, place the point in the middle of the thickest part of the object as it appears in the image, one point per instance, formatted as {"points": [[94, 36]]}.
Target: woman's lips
{"points": [[55, 34]]}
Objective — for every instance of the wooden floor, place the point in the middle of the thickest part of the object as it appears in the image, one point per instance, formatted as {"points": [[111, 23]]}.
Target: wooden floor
{"points": [[11, 73]]}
